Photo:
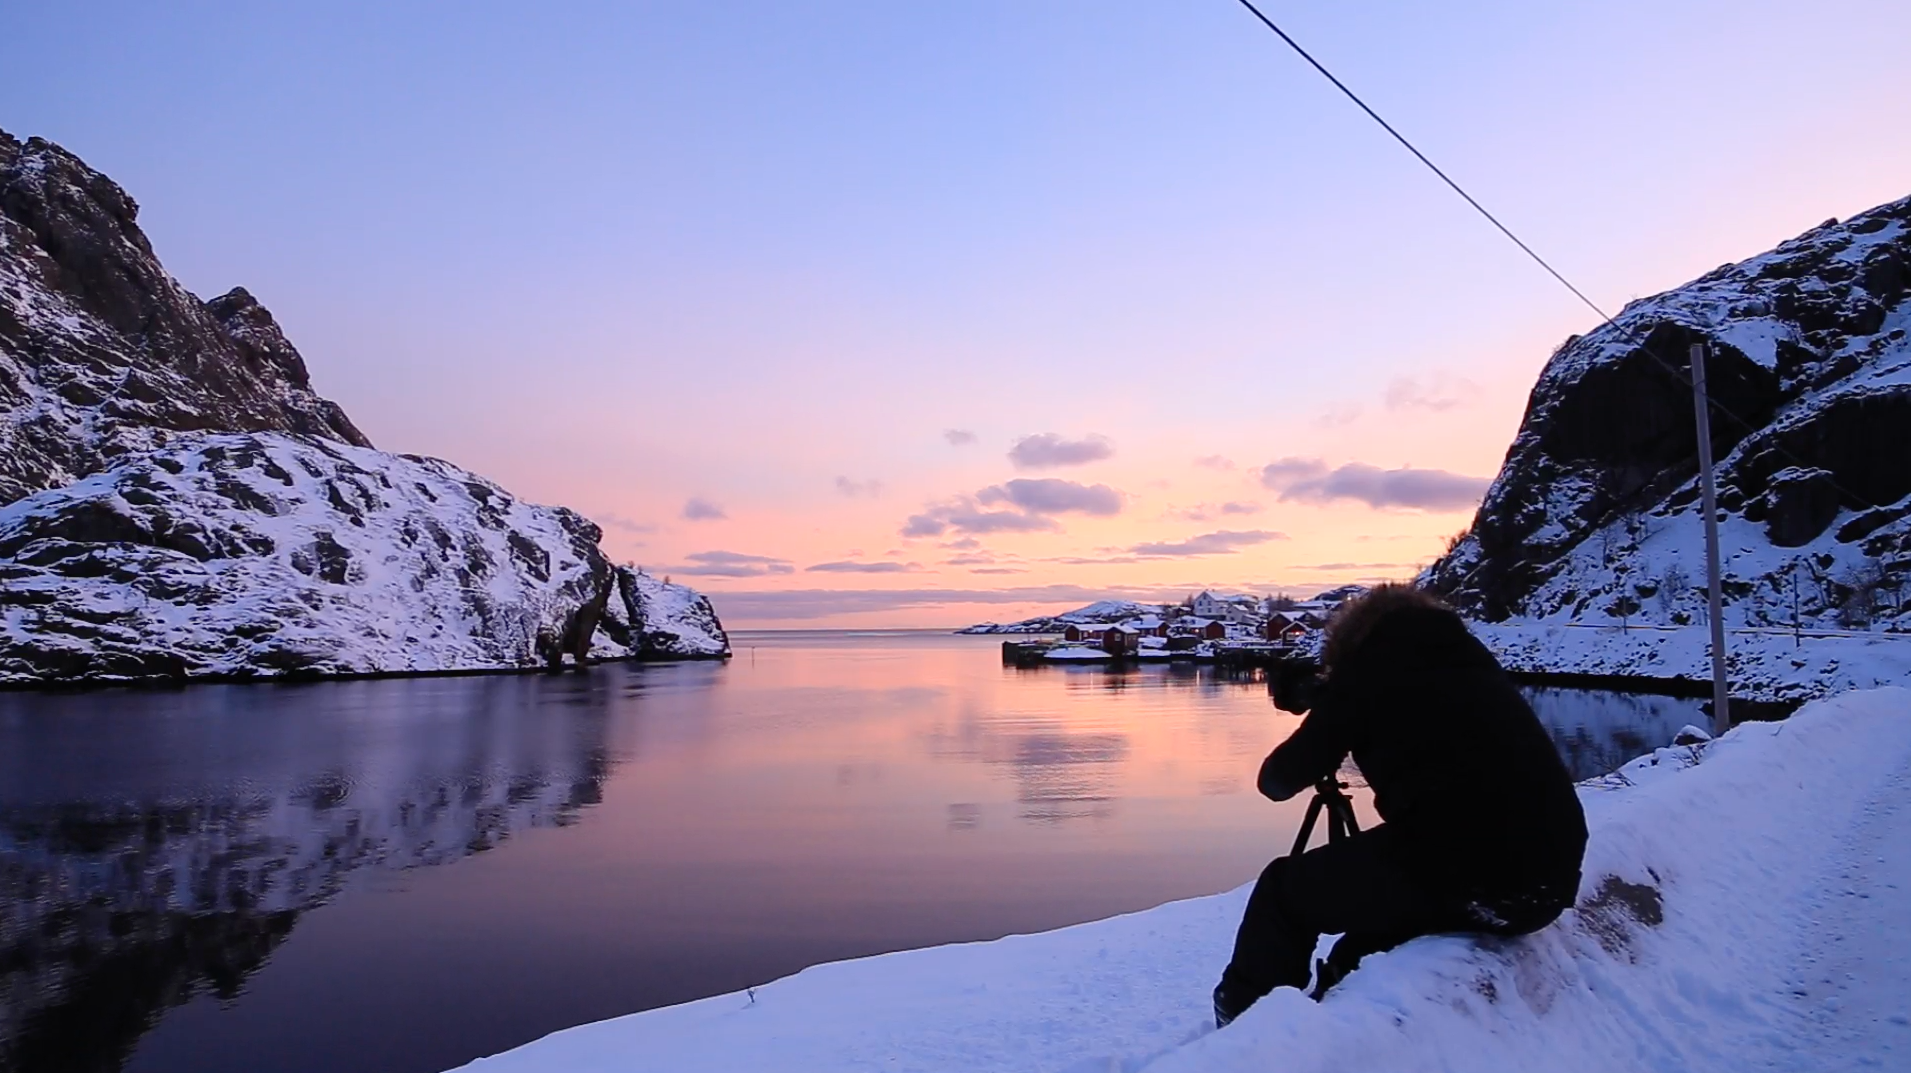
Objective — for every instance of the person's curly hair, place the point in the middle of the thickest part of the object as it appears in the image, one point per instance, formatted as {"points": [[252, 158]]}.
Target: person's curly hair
{"points": [[1354, 620]]}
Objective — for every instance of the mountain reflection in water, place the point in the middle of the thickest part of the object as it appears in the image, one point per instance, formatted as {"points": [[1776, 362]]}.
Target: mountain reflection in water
{"points": [[823, 796]]}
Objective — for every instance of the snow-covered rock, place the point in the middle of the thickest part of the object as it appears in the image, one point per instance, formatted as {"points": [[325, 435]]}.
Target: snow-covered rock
{"points": [[1742, 908], [261, 554], [192, 508], [103, 352], [648, 618], [1594, 518]]}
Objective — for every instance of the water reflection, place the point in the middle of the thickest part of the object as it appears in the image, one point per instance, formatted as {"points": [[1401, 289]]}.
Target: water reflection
{"points": [[191, 879], [159, 846], [1597, 730]]}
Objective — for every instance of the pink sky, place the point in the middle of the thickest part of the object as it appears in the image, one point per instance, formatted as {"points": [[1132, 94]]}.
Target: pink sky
{"points": [[764, 258]]}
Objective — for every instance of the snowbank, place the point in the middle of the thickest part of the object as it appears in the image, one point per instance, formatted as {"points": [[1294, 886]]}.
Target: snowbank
{"points": [[1762, 664], [1694, 946]]}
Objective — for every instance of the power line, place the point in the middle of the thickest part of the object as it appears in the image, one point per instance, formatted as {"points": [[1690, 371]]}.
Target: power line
{"points": [[1422, 157], [1682, 376]]}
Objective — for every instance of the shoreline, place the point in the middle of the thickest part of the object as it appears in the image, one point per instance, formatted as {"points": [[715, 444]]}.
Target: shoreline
{"points": [[226, 678]]}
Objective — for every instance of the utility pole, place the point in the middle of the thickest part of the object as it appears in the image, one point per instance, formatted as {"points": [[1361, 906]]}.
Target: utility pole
{"points": [[1708, 498]]}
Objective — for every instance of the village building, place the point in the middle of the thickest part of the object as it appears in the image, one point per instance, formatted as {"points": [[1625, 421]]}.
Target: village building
{"points": [[1206, 629], [1120, 640], [1284, 628], [1208, 605]]}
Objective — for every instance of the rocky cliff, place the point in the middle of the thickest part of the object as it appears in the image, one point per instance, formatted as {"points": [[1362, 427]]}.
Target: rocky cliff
{"points": [[102, 352], [1594, 519], [176, 501]]}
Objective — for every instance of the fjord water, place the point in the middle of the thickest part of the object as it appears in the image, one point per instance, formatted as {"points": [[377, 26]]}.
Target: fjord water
{"points": [[402, 875]]}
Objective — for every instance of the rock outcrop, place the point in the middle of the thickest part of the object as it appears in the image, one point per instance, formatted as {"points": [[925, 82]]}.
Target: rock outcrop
{"points": [[102, 352], [1594, 518], [177, 502], [648, 618]]}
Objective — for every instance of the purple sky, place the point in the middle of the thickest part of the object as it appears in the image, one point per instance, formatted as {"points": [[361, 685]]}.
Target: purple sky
{"points": [[861, 313]]}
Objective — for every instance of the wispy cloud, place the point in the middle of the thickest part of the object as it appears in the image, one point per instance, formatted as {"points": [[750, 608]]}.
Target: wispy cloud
{"points": [[964, 516], [1214, 462], [1209, 511], [997, 570], [618, 521], [958, 437], [796, 604], [868, 489], [1309, 480], [847, 566], [1049, 450], [962, 544], [1051, 495], [1221, 543], [698, 509], [1437, 392], [730, 564]]}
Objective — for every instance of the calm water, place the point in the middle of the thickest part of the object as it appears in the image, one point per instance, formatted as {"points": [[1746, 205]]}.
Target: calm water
{"points": [[404, 875]]}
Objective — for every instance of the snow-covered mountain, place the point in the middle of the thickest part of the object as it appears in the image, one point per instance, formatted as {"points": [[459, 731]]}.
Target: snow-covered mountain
{"points": [[176, 501], [103, 352], [1594, 519], [1100, 612], [241, 554]]}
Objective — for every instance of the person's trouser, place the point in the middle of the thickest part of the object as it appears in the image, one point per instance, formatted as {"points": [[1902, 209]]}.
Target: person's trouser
{"points": [[1358, 886]]}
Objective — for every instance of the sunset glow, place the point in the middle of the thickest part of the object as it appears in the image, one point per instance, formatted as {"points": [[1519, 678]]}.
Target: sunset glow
{"points": [[787, 299]]}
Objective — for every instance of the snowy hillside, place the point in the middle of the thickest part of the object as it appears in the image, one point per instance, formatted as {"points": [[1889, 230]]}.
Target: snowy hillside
{"points": [[647, 618], [263, 554], [102, 351], [195, 509], [1594, 518], [1665, 963], [1100, 612]]}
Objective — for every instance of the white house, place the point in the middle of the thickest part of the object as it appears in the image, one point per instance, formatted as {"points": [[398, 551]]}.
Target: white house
{"points": [[1208, 605]]}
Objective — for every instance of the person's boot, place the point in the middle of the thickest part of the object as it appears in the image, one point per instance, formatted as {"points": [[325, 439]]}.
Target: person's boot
{"points": [[1226, 1006]]}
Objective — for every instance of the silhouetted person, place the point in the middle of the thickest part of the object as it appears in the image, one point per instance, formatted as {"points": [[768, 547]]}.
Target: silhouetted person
{"points": [[1482, 830]]}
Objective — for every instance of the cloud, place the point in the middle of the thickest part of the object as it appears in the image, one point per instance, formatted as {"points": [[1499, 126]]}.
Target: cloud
{"points": [[790, 604], [1209, 511], [1345, 413], [618, 521], [1051, 495], [1087, 560], [730, 564], [969, 560], [1221, 543], [1308, 480], [1048, 450], [698, 509], [1214, 462], [963, 516], [963, 544], [1284, 473], [997, 570], [849, 567], [858, 489], [1439, 392], [958, 437]]}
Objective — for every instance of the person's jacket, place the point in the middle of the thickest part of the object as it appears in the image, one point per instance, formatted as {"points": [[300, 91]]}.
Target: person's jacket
{"points": [[1460, 767]]}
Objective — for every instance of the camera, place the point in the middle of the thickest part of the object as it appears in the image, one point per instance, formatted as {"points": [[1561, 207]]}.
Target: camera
{"points": [[1295, 687]]}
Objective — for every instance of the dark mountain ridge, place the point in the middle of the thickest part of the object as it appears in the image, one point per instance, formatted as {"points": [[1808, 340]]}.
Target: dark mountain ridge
{"points": [[103, 352]]}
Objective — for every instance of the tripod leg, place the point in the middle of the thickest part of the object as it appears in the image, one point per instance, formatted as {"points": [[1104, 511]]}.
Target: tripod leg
{"points": [[1307, 826]]}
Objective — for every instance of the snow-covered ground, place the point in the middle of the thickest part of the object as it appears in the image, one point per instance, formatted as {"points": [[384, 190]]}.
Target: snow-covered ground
{"points": [[1743, 908], [1763, 663]]}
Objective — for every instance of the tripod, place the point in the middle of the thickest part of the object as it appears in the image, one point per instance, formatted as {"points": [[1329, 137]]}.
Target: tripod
{"points": [[1330, 798], [1340, 813]]}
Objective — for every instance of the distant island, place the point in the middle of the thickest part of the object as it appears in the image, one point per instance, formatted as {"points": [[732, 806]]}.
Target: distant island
{"points": [[1236, 610]]}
